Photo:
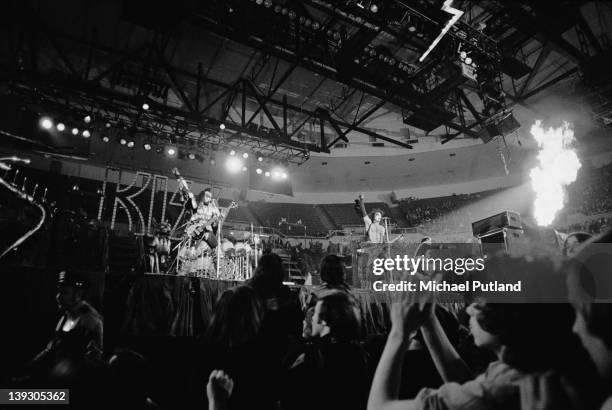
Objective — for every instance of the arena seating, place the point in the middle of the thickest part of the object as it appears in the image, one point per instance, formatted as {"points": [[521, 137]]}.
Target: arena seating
{"points": [[271, 214], [236, 215], [345, 215], [591, 193]]}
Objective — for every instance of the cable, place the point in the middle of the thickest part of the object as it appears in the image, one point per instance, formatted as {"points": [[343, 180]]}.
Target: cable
{"points": [[32, 231]]}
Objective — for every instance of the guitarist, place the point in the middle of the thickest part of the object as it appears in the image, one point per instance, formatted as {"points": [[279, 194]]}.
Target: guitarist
{"points": [[203, 211]]}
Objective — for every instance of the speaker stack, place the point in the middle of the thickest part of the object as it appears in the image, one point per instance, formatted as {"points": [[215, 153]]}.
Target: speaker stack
{"points": [[498, 233]]}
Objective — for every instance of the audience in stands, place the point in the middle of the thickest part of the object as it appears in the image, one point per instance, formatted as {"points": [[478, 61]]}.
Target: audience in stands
{"points": [[330, 371], [591, 193], [593, 226]]}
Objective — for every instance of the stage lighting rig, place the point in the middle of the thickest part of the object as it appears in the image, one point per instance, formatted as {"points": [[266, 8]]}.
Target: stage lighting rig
{"points": [[46, 123]]}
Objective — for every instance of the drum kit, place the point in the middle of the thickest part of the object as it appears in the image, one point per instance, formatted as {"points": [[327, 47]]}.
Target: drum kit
{"points": [[231, 260], [202, 253]]}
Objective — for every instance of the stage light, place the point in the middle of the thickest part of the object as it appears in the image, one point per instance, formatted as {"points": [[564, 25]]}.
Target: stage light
{"points": [[145, 106], [283, 175], [361, 6], [233, 165], [468, 60], [75, 131], [259, 2], [212, 161], [147, 146], [87, 119], [259, 171], [260, 158], [61, 127], [245, 155], [232, 152], [191, 155], [315, 25], [268, 3], [108, 125], [46, 123], [86, 134], [171, 151], [105, 139], [267, 173], [122, 141], [462, 55], [412, 29], [374, 8], [222, 126], [244, 168], [292, 15], [130, 144]]}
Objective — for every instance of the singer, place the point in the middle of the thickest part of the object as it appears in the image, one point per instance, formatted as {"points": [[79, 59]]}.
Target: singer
{"points": [[375, 232]]}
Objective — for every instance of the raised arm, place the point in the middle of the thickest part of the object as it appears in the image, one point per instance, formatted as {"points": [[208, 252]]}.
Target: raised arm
{"points": [[450, 365], [362, 206], [384, 392]]}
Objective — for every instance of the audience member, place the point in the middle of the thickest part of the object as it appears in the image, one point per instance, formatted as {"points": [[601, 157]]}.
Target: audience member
{"points": [[129, 375], [219, 390], [78, 334], [331, 370], [515, 332], [283, 315], [234, 344]]}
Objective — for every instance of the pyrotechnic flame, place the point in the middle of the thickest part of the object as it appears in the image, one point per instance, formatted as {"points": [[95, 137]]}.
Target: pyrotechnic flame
{"points": [[558, 168]]}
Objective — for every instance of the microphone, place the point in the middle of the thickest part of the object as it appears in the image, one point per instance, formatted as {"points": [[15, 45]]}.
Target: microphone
{"points": [[16, 159]]}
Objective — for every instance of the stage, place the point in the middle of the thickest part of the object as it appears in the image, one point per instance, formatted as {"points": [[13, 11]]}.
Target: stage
{"points": [[140, 306], [169, 305]]}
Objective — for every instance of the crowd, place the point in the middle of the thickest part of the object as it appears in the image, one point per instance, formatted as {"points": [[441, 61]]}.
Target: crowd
{"points": [[591, 193], [441, 215], [267, 348], [593, 226]]}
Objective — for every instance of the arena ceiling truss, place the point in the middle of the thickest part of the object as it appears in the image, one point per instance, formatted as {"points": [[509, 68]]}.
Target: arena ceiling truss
{"points": [[280, 74]]}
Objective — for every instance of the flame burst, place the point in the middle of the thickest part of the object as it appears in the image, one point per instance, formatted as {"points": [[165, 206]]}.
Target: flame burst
{"points": [[558, 168]]}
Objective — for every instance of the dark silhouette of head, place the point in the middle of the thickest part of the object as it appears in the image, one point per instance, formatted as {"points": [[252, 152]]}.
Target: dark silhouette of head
{"points": [[237, 317], [332, 270], [337, 315], [269, 274]]}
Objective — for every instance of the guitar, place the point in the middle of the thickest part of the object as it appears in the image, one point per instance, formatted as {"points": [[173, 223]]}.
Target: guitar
{"points": [[198, 227]]}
